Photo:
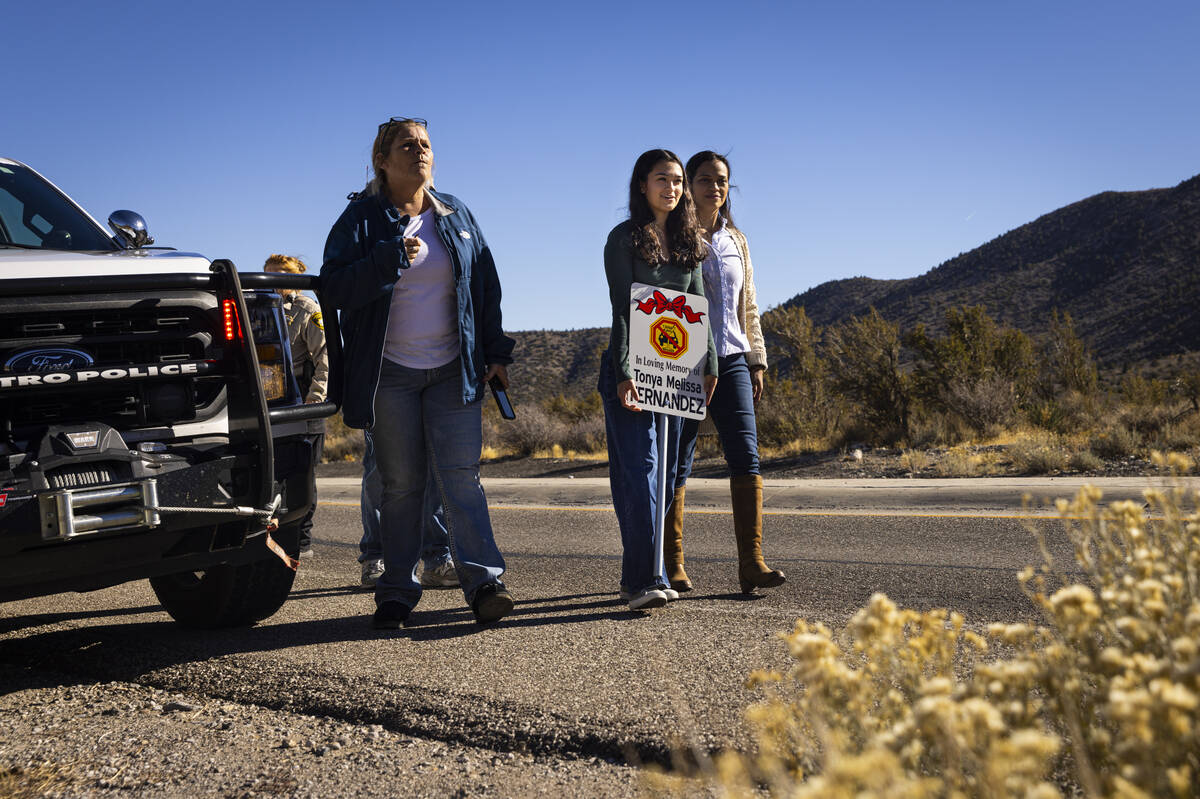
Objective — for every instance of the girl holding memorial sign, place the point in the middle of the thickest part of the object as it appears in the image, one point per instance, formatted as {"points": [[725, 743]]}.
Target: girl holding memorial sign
{"points": [[737, 331], [659, 245]]}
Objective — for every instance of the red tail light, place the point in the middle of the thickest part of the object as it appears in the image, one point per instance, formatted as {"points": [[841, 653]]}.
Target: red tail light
{"points": [[233, 325]]}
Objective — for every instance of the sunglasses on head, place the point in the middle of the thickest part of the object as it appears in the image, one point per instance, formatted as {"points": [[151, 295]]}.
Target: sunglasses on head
{"points": [[403, 121]]}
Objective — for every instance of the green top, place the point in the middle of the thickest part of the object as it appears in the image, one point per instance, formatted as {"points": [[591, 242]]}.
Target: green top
{"points": [[624, 267]]}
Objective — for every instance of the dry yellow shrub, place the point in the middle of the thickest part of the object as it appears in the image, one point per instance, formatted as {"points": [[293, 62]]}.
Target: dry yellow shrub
{"points": [[1101, 699]]}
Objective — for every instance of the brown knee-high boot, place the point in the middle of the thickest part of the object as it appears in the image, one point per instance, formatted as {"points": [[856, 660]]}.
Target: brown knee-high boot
{"points": [[673, 544], [746, 491]]}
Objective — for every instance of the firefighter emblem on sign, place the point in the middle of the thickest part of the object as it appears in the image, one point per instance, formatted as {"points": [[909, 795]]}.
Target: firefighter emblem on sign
{"points": [[668, 337]]}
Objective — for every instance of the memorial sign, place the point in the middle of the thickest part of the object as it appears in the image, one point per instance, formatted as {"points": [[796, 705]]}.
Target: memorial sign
{"points": [[668, 345]]}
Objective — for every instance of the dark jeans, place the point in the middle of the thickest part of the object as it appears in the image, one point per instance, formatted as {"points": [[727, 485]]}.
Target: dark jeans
{"points": [[633, 479], [732, 412], [422, 424], [436, 548]]}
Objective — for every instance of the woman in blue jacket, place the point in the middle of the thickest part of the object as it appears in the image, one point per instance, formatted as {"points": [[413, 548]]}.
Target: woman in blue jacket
{"points": [[420, 315]]}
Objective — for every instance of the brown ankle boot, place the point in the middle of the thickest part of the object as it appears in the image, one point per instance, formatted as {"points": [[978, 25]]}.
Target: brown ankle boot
{"points": [[673, 544], [746, 491]]}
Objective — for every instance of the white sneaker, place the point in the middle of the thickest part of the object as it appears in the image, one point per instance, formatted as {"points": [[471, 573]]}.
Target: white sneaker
{"points": [[625, 594], [441, 576], [650, 598], [372, 570]]}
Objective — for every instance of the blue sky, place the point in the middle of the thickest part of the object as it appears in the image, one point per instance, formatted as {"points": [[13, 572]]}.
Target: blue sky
{"points": [[867, 138]]}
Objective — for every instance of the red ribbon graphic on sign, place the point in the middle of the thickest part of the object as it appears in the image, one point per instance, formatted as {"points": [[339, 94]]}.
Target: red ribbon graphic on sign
{"points": [[678, 306]]}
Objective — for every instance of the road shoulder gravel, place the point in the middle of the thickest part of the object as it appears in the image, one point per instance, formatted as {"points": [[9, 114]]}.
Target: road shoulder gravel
{"points": [[62, 738]]}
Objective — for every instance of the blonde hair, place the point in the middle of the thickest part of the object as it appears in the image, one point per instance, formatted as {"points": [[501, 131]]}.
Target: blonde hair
{"points": [[284, 263], [380, 149]]}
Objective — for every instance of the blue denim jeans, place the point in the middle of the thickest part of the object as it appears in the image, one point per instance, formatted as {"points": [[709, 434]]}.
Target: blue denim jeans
{"points": [[435, 548], [732, 411], [633, 479], [421, 424]]}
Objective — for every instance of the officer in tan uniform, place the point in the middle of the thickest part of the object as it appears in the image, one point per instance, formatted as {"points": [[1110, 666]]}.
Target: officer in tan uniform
{"points": [[310, 363]]}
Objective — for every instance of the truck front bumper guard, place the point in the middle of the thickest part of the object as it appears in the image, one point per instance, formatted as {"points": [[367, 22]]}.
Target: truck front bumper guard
{"points": [[72, 512]]}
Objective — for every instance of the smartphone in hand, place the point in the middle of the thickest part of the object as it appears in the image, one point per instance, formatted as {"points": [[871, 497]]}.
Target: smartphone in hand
{"points": [[405, 261], [506, 408]]}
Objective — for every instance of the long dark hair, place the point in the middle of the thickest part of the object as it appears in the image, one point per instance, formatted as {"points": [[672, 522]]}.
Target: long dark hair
{"points": [[684, 239], [706, 157]]}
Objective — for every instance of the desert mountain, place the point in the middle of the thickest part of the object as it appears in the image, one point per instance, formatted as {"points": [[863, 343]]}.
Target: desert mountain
{"points": [[1125, 265]]}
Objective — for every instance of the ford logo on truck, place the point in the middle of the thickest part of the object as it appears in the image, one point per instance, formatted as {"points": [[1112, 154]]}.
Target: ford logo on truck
{"points": [[49, 359]]}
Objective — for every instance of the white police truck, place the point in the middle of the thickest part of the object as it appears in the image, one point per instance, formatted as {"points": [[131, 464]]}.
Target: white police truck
{"points": [[150, 425]]}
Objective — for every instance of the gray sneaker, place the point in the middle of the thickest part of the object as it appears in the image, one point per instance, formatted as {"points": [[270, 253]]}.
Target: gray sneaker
{"points": [[371, 572], [442, 575]]}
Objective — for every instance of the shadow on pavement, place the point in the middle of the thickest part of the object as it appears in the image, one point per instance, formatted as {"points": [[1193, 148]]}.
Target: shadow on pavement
{"points": [[14, 623], [736, 596], [126, 652], [437, 625], [323, 593]]}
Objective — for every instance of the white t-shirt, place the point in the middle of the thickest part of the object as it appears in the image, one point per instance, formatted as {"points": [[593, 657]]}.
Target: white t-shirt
{"points": [[423, 324]]}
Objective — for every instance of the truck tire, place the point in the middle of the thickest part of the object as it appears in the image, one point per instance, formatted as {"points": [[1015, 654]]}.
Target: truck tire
{"points": [[228, 595]]}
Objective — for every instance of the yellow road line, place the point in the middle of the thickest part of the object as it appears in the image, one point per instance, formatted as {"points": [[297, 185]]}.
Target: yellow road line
{"points": [[828, 514]]}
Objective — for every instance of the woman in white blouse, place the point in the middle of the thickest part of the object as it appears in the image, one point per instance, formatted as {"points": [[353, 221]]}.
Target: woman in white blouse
{"points": [[742, 360]]}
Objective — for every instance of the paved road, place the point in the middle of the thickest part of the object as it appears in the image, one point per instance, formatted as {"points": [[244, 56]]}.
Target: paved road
{"points": [[572, 678]]}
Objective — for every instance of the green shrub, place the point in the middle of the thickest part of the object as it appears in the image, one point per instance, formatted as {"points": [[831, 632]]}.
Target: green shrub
{"points": [[937, 430], [1049, 415], [914, 461], [1148, 421], [978, 370], [958, 463], [1066, 364], [864, 363], [574, 409], [585, 435], [1038, 456], [986, 404], [342, 443], [1180, 436], [1085, 460], [534, 430], [1143, 392], [779, 419], [1187, 385], [1114, 443], [573, 424], [799, 402], [1066, 413]]}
